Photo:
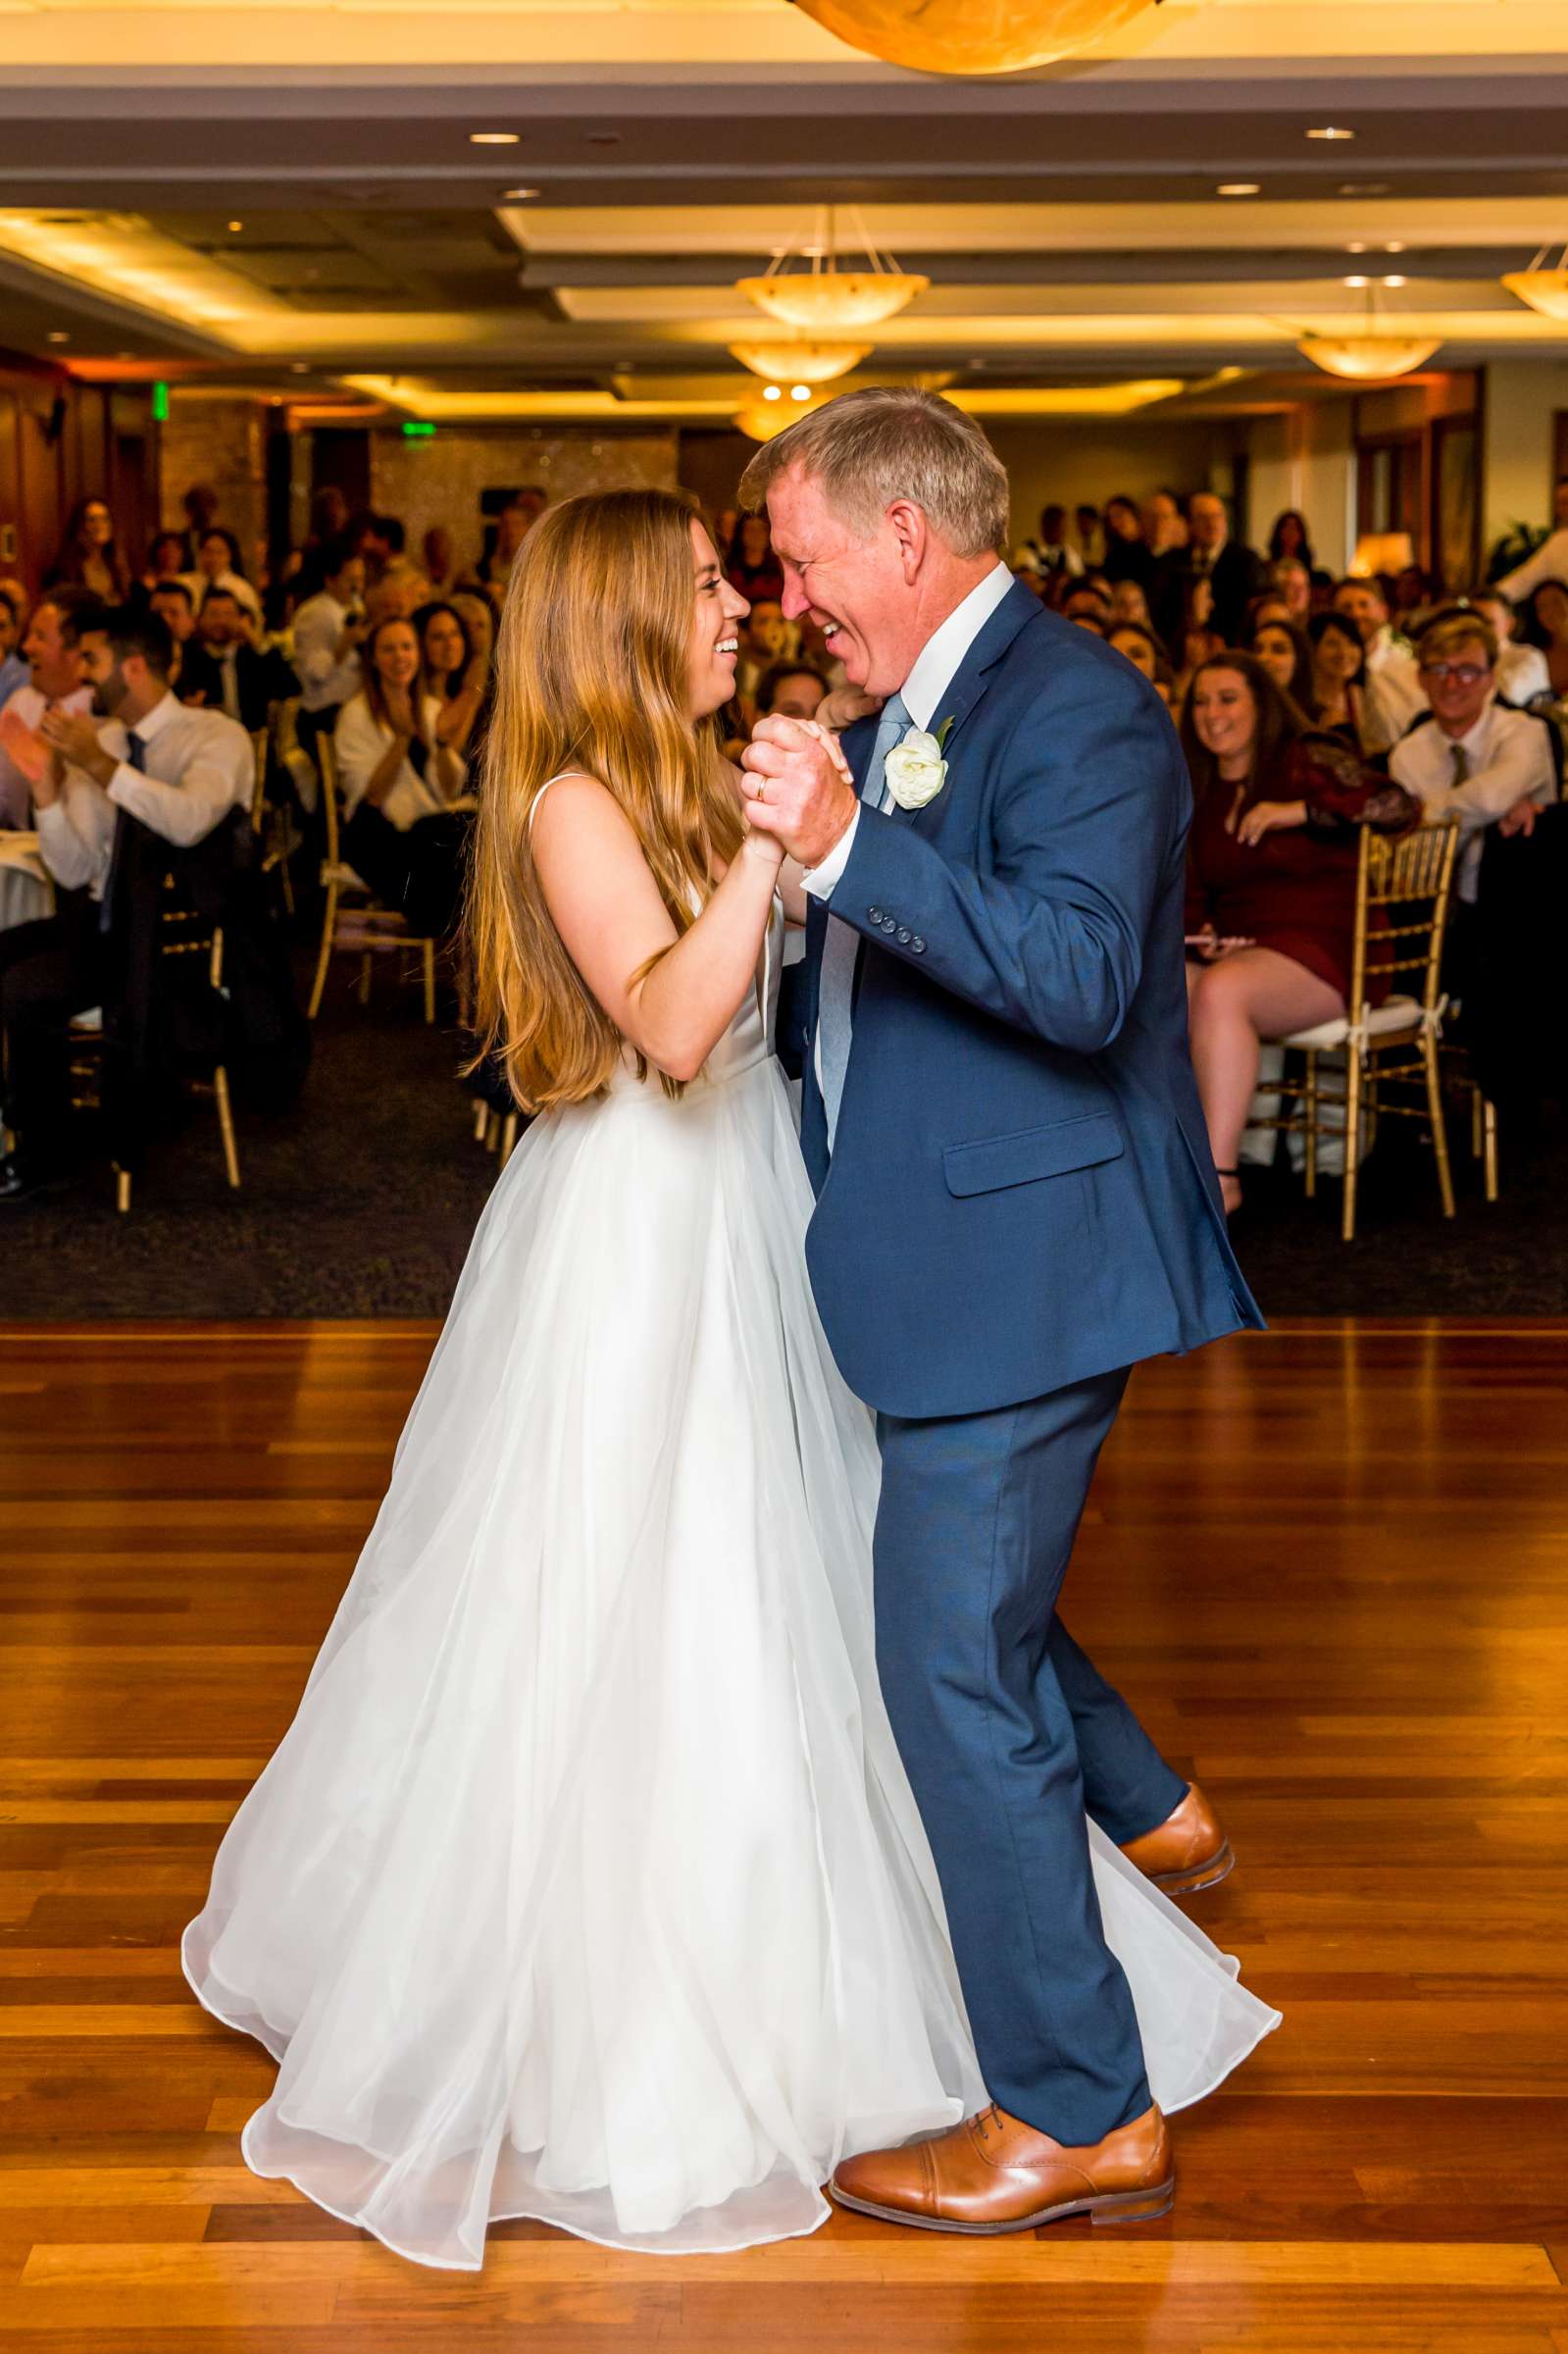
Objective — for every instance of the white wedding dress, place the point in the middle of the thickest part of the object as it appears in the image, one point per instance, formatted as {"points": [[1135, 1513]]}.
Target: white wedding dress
{"points": [[587, 1885]]}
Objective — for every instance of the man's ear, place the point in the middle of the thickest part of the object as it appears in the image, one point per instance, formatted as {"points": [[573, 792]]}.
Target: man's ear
{"points": [[912, 532]]}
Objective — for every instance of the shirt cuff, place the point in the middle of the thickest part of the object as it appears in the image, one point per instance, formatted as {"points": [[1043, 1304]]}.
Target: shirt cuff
{"points": [[822, 879]]}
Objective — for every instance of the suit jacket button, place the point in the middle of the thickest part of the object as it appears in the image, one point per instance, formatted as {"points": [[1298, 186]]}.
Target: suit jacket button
{"points": [[875, 914], [904, 938], [918, 945], [887, 923]]}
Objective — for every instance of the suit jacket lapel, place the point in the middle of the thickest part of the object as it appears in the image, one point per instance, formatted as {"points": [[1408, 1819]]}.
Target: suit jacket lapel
{"points": [[1017, 609]]}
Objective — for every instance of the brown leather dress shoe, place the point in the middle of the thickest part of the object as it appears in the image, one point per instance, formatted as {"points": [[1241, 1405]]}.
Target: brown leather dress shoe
{"points": [[993, 2173], [1187, 1852]]}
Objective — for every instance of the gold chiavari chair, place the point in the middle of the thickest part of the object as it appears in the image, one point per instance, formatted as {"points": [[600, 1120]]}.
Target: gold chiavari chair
{"points": [[1392, 1046], [352, 920]]}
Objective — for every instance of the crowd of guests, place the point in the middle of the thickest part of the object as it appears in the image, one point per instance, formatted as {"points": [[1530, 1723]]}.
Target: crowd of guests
{"points": [[149, 717], [170, 702]]}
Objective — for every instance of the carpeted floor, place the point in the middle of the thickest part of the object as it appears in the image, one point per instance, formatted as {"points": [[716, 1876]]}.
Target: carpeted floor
{"points": [[363, 1202]]}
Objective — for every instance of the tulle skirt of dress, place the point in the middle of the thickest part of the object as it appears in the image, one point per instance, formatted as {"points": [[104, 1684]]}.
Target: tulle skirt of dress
{"points": [[587, 1885]]}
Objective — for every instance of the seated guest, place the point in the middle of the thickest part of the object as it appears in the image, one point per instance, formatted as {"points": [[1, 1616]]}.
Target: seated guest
{"points": [[399, 782], [1336, 701], [1286, 653], [56, 681], [328, 631], [1290, 541], [1522, 671], [516, 520], [1472, 756], [753, 568], [1143, 650], [793, 690], [766, 638], [225, 670], [87, 557], [180, 772], [1125, 557], [1163, 524], [454, 672], [1546, 628], [1087, 536], [1392, 691], [1293, 583], [1130, 601], [1233, 572], [438, 555], [1270, 881], [1198, 639], [1051, 552], [1412, 592], [201, 504], [396, 592], [1089, 605], [173, 602], [219, 566], [168, 558], [14, 672]]}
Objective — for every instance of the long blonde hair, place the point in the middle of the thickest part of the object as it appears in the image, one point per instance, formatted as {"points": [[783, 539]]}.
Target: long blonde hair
{"points": [[593, 658]]}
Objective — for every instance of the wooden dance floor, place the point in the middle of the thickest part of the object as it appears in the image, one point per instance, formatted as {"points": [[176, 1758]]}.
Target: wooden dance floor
{"points": [[1330, 1567]]}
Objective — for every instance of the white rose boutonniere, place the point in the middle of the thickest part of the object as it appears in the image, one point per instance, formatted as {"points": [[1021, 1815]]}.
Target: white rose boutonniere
{"points": [[916, 771]]}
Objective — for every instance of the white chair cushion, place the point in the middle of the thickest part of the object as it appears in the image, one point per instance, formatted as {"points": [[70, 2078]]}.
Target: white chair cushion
{"points": [[1400, 1013]]}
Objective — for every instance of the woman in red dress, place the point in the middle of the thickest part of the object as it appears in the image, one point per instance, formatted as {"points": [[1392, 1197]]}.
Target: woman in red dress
{"points": [[1271, 881]]}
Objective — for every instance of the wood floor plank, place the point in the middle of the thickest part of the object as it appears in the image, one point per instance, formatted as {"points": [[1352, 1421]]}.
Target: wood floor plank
{"points": [[1329, 1565]]}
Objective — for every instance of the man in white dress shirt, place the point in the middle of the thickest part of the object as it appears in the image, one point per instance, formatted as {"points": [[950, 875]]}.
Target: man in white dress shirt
{"points": [[1393, 696], [53, 650], [1522, 670], [328, 631], [178, 771], [1475, 759]]}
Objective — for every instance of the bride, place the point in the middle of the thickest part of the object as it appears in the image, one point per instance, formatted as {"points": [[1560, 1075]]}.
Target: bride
{"points": [[587, 1885]]}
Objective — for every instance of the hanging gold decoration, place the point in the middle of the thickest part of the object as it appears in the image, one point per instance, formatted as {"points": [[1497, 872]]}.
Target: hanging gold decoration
{"points": [[972, 36], [800, 363], [822, 300], [1545, 290]]}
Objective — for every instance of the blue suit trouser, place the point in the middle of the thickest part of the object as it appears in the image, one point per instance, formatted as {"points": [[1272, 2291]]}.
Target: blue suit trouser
{"points": [[1008, 1732]]}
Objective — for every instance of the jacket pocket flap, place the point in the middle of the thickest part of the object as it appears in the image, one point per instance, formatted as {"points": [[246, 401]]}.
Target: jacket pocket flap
{"points": [[1003, 1161]]}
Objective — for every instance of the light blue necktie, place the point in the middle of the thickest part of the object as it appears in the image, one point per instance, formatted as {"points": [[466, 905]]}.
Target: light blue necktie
{"points": [[841, 946]]}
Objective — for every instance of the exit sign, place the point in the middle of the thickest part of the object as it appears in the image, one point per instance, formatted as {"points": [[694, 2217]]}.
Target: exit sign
{"points": [[414, 430], [160, 404]]}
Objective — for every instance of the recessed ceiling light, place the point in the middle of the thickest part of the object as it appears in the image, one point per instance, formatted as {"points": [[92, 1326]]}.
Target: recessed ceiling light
{"points": [[521, 195], [800, 391], [1359, 247], [58, 335], [1363, 187], [234, 227], [494, 138], [1394, 245], [1330, 130], [1238, 187], [1396, 281], [773, 392], [1355, 282]]}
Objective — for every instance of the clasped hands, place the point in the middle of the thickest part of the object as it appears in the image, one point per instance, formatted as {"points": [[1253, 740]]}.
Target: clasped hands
{"points": [[798, 790]]}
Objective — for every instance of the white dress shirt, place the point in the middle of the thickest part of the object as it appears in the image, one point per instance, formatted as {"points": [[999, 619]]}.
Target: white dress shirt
{"points": [[325, 681], [30, 705], [1548, 563], [1522, 671], [1507, 755], [934, 669], [1393, 692], [198, 767], [362, 741]]}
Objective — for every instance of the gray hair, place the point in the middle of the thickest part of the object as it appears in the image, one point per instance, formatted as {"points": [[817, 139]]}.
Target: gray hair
{"points": [[868, 448]]}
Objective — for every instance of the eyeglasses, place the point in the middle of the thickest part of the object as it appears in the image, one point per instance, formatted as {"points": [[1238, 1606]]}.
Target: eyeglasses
{"points": [[1455, 674]]}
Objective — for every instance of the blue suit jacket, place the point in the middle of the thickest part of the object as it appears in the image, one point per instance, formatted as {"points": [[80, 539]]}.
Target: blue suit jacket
{"points": [[1021, 1193]]}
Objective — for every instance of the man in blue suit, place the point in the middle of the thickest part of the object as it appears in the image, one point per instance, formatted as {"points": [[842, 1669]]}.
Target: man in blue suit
{"points": [[1015, 1204]]}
